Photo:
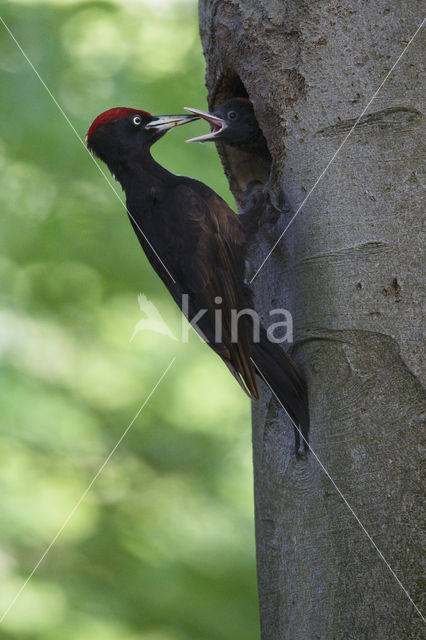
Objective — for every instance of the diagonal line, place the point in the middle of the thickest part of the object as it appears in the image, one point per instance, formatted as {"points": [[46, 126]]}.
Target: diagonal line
{"points": [[86, 491], [336, 153], [343, 498], [84, 146]]}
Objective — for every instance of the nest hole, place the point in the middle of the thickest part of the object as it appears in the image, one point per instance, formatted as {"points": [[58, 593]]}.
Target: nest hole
{"points": [[245, 170]]}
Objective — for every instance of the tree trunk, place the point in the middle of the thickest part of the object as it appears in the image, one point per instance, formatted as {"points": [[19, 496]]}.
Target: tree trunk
{"points": [[348, 269]]}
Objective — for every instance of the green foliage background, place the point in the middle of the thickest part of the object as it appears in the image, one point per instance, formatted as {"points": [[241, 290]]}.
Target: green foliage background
{"points": [[162, 547]]}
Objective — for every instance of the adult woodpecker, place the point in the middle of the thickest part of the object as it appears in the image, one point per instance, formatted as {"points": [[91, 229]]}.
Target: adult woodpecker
{"points": [[196, 244]]}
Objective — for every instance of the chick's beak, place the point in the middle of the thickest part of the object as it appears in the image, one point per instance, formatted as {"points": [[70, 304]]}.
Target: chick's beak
{"points": [[164, 123], [218, 125]]}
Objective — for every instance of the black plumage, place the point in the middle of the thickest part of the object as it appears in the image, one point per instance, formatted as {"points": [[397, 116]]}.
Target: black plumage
{"points": [[234, 123], [196, 244]]}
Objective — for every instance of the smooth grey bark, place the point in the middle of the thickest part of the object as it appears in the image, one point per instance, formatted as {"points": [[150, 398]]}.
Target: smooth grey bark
{"points": [[349, 269]]}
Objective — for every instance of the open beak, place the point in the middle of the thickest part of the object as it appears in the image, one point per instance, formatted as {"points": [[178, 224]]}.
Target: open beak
{"points": [[217, 124], [164, 123]]}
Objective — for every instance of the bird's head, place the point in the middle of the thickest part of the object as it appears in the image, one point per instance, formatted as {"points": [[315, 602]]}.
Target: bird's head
{"points": [[121, 132], [233, 122]]}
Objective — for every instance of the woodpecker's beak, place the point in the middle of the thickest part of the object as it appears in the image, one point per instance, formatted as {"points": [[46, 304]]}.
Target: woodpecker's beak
{"points": [[217, 124], [164, 123]]}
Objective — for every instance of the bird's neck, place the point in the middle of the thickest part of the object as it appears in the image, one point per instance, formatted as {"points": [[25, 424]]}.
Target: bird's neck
{"points": [[140, 171]]}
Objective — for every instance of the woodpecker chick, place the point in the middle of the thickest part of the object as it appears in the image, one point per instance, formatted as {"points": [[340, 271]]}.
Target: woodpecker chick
{"points": [[234, 123]]}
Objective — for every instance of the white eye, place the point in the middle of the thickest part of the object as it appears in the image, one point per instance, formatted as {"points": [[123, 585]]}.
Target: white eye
{"points": [[137, 120], [232, 115]]}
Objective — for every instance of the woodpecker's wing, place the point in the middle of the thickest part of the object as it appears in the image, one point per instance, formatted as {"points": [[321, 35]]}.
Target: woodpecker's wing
{"points": [[212, 266]]}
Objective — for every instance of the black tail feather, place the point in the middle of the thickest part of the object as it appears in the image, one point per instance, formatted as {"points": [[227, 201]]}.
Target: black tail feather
{"points": [[282, 375]]}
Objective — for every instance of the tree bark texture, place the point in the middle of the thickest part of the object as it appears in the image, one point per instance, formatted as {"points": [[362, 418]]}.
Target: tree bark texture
{"points": [[349, 269]]}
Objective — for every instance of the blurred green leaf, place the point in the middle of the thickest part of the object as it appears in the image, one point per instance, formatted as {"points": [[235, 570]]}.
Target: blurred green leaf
{"points": [[162, 547]]}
